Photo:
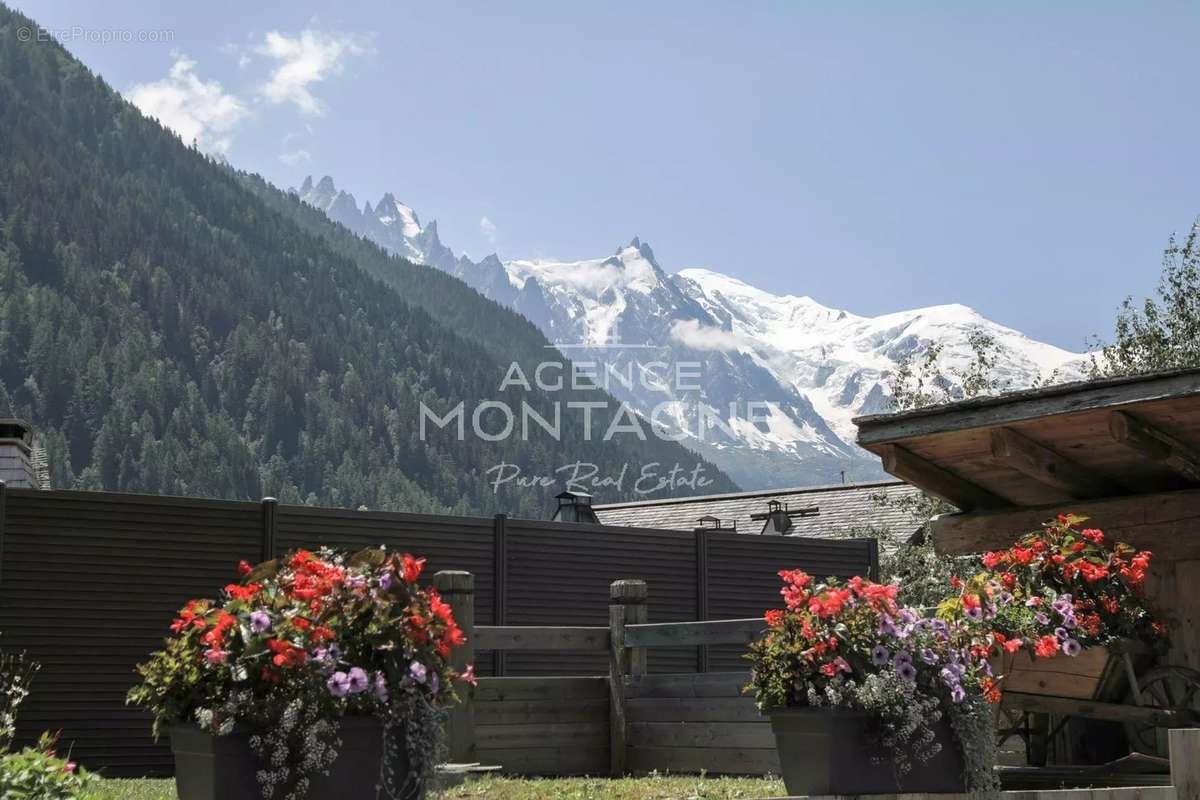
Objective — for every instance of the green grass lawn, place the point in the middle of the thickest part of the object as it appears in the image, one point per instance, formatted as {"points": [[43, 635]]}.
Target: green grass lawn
{"points": [[663, 787]]}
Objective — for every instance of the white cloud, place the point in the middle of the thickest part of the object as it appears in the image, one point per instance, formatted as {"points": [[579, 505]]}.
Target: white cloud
{"points": [[199, 111], [690, 333], [294, 157], [488, 229], [303, 60]]}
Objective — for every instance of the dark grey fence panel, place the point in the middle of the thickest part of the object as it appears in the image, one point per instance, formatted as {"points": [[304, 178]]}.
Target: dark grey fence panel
{"points": [[560, 573], [89, 583], [743, 580]]}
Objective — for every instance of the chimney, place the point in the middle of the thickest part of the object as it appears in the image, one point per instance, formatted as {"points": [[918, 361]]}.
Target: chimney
{"points": [[778, 521], [575, 507], [778, 518], [16, 467], [710, 523]]}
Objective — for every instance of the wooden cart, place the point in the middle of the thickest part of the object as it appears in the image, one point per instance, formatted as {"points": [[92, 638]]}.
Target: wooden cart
{"points": [[1123, 688]]}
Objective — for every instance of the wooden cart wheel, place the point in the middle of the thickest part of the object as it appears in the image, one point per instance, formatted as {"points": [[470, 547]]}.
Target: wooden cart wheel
{"points": [[1162, 687]]}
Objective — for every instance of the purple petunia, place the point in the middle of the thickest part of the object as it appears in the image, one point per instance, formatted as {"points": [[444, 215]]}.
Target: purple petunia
{"points": [[880, 655], [1069, 622], [1061, 634], [1005, 598], [929, 655], [1071, 647], [339, 684], [903, 656], [975, 613], [357, 680], [1041, 618], [418, 671], [260, 621], [385, 581], [957, 694], [907, 671]]}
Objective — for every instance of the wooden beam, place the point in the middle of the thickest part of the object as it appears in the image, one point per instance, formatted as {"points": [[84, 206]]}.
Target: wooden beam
{"points": [[1017, 451], [936, 481], [1005, 409], [689, 634], [1154, 444], [1166, 522], [1094, 709], [543, 637]]}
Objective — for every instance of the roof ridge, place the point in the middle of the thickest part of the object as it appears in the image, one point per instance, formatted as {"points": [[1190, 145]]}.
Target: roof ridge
{"points": [[827, 487]]}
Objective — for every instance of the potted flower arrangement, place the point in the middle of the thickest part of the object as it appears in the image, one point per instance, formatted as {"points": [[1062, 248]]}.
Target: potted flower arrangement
{"points": [[843, 670], [315, 676], [1063, 590]]}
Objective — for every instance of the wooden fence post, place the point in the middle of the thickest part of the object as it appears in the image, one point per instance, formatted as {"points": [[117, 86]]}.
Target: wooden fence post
{"points": [[627, 606], [1184, 749], [269, 506], [458, 590]]}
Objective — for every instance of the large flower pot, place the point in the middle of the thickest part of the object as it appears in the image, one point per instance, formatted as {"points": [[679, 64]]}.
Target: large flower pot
{"points": [[211, 767], [827, 751]]}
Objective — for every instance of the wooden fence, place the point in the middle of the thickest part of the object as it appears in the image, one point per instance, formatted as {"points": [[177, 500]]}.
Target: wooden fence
{"points": [[628, 721], [89, 582]]}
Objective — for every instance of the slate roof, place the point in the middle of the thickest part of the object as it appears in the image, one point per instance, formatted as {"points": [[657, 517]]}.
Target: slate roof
{"points": [[842, 508]]}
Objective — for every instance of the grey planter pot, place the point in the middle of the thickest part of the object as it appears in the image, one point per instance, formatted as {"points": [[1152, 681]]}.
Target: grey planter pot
{"points": [[834, 752], [211, 767]]}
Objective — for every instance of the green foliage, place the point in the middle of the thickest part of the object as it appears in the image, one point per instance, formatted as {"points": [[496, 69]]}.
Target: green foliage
{"points": [[170, 326], [16, 673], [37, 773], [921, 381], [1163, 334]]}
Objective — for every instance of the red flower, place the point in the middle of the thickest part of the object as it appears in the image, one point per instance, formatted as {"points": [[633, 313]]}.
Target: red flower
{"points": [[991, 692], [829, 669], [321, 633], [412, 567], [1013, 645], [994, 559], [970, 601], [1022, 555], [1047, 646], [244, 593], [1093, 535], [774, 617], [286, 653]]}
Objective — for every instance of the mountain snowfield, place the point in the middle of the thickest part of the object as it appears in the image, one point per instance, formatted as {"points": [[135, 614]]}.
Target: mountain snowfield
{"points": [[763, 384]]}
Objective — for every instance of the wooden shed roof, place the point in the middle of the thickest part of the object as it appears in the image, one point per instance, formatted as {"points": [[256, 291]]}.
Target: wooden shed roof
{"points": [[1034, 448]]}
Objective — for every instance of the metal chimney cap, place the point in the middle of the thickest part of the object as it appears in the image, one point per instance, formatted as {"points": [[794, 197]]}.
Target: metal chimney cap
{"points": [[582, 498], [16, 429]]}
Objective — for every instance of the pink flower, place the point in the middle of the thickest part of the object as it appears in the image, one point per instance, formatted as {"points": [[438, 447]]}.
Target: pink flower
{"points": [[215, 656], [468, 675]]}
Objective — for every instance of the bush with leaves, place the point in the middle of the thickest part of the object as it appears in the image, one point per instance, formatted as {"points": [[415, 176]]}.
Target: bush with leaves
{"points": [[38, 773]]}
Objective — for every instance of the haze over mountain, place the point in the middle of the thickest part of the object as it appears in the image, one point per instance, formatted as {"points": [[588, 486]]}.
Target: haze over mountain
{"points": [[171, 326], [780, 375]]}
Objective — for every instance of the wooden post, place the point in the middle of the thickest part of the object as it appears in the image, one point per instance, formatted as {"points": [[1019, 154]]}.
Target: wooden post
{"points": [[458, 590], [269, 506], [1184, 748], [499, 585], [628, 606]]}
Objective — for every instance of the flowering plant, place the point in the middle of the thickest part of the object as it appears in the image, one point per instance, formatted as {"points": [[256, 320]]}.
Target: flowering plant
{"points": [[1059, 590], [298, 643], [849, 645]]}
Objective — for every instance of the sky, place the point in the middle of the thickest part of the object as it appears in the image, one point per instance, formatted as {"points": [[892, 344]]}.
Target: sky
{"points": [[1027, 159]]}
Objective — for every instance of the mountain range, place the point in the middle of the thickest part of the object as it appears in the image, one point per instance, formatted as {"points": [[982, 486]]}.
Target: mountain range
{"points": [[780, 376], [170, 325]]}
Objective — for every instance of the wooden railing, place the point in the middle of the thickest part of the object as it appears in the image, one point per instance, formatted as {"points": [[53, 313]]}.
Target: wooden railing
{"points": [[626, 639]]}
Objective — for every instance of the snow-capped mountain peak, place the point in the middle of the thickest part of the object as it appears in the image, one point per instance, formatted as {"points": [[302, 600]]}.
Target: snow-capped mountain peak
{"points": [[782, 374]]}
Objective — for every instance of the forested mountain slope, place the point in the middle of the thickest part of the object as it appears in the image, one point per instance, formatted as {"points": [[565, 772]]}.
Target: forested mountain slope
{"points": [[168, 330]]}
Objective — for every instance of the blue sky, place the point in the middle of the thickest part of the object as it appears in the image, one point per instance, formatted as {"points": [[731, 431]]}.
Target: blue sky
{"points": [[1026, 159]]}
